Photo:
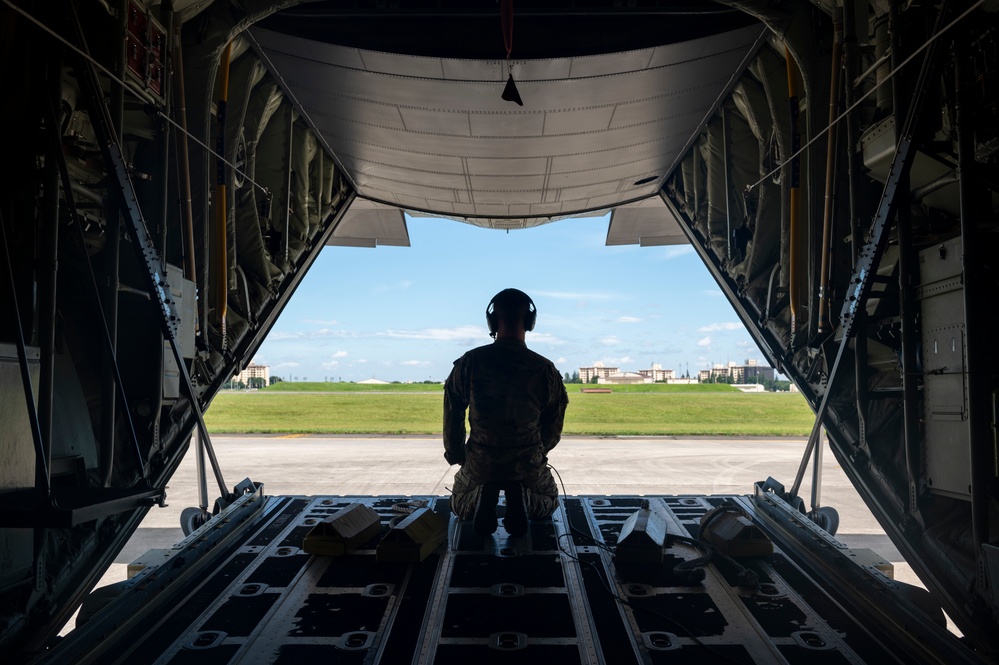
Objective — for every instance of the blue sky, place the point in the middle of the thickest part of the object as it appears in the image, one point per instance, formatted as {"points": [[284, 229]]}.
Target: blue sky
{"points": [[406, 313]]}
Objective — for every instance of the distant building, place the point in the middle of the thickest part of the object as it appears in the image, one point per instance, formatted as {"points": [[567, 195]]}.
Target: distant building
{"points": [[597, 370], [374, 381], [253, 372], [621, 378], [657, 373], [755, 373], [750, 372]]}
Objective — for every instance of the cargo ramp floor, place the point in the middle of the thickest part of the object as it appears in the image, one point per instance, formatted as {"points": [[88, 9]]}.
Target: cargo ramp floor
{"points": [[241, 590]]}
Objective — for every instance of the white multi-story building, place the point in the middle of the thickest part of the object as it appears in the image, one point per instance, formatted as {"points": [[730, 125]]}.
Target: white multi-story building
{"points": [[750, 372], [605, 374], [253, 371], [620, 378], [597, 370], [657, 373]]}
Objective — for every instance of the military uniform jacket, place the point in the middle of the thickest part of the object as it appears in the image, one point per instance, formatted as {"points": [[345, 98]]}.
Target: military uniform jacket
{"points": [[516, 404]]}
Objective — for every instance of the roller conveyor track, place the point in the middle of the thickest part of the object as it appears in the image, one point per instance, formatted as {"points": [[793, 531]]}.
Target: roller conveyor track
{"points": [[554, 596]]}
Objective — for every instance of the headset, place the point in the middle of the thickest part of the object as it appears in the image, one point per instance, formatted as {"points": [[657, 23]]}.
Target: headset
{"points": [[511, 300]]}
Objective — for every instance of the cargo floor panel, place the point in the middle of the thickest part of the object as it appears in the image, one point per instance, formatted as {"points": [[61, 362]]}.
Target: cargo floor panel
{"points": [[555, 594]]}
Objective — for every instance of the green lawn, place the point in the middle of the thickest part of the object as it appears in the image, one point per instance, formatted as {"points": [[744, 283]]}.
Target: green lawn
{"points": [[319, 386], [339, 387], [409, 411]]}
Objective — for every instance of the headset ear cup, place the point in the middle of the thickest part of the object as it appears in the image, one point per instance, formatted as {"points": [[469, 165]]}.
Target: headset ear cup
{"points": [[492, 321], [518, 300]]}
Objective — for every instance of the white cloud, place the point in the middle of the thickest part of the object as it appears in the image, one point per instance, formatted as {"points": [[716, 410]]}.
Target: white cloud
{"points": [[713, 293], [715, 327], [275, 335], [339, 354], [400, 286], [459, 334], [610, 340], [285, 364], [544, 338], [678, 250], [308, 334], [560, 361], [330, 365], [414, 363], [573, 295], [362, 361], [618, 362], [704, 342], [628, 319]]}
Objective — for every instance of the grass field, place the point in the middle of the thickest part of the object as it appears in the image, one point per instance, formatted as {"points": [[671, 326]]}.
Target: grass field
{"points": [[417, 409], [332, 387], [335, 387]]}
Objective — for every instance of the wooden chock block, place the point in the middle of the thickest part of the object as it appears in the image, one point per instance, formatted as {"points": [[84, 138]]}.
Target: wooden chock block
{"points": [[344, 531], [414, 538], [734, 534], [642, 538]]}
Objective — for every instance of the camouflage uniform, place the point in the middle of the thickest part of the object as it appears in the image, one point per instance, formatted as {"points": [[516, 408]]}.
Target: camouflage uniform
{"points": [[516, 401]]}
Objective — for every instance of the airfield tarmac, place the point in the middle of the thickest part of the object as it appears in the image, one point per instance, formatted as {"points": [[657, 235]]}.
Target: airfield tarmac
{"points": [[414, 466], [410, 465]]}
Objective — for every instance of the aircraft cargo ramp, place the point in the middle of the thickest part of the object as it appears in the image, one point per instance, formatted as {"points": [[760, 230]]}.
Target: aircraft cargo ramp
{"points": [[241, 590]]}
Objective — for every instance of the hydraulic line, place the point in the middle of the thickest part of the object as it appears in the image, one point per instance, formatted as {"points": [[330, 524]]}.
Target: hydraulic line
{"points": [[831, 139], [728, 194], [907, 276], [109, 431], [163, 194], [221, 278], [183, 156], [850, 64], [794, 165], [48, 266]]}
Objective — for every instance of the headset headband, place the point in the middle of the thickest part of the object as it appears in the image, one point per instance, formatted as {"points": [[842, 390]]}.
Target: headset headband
{"points": [[509, 299]]}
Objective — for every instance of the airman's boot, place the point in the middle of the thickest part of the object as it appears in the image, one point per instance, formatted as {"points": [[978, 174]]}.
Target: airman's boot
{"points": [[484, 520], [515, 521]]}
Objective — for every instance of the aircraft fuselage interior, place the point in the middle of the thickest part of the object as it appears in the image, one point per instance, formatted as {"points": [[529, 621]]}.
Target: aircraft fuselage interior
{"points": [[176, 167]]}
